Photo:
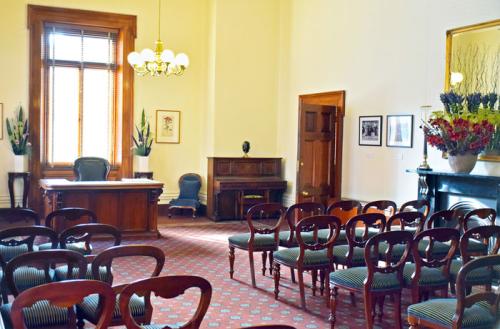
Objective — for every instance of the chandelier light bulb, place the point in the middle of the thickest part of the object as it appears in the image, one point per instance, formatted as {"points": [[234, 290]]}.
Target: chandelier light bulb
{"points": [[148, 55], [182, 60], [134, 58], [167, 56]]}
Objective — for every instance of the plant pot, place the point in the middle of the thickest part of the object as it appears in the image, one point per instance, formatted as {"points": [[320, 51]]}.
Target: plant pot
{"points": [[462, 163], [141, 163], [20, 163]]}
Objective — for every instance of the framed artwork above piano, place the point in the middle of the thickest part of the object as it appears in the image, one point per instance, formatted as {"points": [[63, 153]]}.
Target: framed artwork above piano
{"points": [[234, 184]]}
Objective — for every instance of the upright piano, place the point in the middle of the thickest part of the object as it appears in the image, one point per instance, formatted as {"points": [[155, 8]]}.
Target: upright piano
{"points": [[232, 179]]}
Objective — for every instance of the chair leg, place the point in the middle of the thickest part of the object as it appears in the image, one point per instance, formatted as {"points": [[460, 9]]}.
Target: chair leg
{"points": [[321, 282], [381, 300], [368, 311], [397, 310], [413, 323], [80, 323], [231, 261], [415, 295], [353, 298], [326, 281], [169, 212], [264, 261], [276, 277], [194, 212], [300, 274], [252, 268], [444, 293], [271, 259], [314, 276], [333, 307], [292, 274]]}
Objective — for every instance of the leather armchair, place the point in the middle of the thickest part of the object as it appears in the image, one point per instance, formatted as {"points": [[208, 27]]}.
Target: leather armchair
{"points": [[91, 169], [189, 186]]}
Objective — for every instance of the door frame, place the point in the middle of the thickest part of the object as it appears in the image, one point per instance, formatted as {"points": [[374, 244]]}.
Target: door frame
{"points": [[331, 98]]}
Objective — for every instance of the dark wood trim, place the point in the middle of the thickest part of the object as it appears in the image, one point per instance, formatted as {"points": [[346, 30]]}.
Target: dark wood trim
{"points": [[124, 98], [337, 99]]}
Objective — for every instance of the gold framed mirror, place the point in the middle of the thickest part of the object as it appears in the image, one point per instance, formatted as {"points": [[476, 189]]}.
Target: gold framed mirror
{"points": [[473, 63]]}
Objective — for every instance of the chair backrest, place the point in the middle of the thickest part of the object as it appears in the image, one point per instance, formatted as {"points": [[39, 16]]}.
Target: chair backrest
{"points": [[189, 186], [385, 207], [85, 233], [166, 287], [69, 214], [106, 257], [44, 260], [478, 217], [364, 222], [314, 223], [465, 301], [421, 205], [410, 219], [13, 238], [446, 218], [65, 294], [263, 211], [484, 234], [344, 210], [441, 234], [296, 212], [91, 169], [392, 264], [11, 215]]}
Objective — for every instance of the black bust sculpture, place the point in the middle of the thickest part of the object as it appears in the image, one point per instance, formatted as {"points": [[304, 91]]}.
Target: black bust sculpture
{"points": [[246, 148]]}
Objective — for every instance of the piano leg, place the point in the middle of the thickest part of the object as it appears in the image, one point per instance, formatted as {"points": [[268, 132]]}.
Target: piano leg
{"points": [[264, 261]]}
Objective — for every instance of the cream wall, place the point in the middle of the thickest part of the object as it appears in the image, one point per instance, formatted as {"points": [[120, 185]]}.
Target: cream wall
{"points": [[389, 56]]}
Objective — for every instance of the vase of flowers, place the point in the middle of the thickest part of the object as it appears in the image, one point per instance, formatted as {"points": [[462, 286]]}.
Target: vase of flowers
{"points": [[142, 144], [463, 130], [17, 130]]}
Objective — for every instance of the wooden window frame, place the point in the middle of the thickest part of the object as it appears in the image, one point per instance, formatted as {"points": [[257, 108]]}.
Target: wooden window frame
{"points": [[126, 25]]}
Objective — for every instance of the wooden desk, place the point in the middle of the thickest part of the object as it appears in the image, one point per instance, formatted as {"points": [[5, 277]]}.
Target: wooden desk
{"points": [[129, 204]]}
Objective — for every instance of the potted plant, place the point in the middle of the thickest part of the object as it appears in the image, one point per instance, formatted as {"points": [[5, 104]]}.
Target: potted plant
{"points": [[142, 144], [17, 129], [463, 130]]}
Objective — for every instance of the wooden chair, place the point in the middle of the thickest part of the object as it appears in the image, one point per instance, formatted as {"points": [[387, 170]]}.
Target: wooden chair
{"points": [[428, 275], [421, 205], [374, 281], [443, 218], [36, 270], [411, 221], [12, 215], [62, 296], [60, 219], [83, 233], [478, 217], [166, 287], [358, 230], [478, 310], [309, 255], [344, 210], [141, 311], [20, 240], [484, 234], [260, 239], [386, 207]]}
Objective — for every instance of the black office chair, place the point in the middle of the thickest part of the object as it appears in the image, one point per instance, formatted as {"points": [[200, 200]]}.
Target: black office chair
{"points": [[91, 169]]}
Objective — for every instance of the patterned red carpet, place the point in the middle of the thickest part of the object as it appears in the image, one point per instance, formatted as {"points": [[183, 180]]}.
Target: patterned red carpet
{"points": [[202, 250]]}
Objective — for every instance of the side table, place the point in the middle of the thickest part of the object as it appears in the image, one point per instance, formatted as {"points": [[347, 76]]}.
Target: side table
{"points": [[26, 186], [143, 174]]}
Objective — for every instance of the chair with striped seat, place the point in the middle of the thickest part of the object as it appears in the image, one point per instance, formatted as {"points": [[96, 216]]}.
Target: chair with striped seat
{"points": [[411, 221], [428, 275], [63, 218], [25, 215], [262, 238], [139, 307], [20, 240], [386, 207], [473, 311], [166, 287], [420, 205], [485, 234], [343, 210], [474, 218], [309, 255], [85, 233], [34, 269], [374, 281], [443, 218], [60, 297]]}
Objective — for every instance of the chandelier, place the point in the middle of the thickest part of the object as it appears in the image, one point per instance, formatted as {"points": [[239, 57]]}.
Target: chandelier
{"points": [[160, 61]]}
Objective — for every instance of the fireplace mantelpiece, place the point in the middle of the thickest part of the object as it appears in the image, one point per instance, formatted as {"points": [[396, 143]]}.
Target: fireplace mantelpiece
{"points": [[438, 186]]}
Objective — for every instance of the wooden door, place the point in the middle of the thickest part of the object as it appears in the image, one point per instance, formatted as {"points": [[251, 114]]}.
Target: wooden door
{"points": [[320, 147]]}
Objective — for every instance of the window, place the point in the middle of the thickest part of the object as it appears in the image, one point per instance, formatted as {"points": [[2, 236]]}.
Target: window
{"points": [[80, 66]]}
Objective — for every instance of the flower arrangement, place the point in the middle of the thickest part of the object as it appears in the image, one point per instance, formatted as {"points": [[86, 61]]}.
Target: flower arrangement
{"points": [[17, 129], [144, 140], [468, 124]]}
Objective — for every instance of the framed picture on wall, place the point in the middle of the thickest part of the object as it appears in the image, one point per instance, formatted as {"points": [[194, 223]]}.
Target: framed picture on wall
{"points": [[1, 121], [370, 130], [399, 131], [168, 126]]}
